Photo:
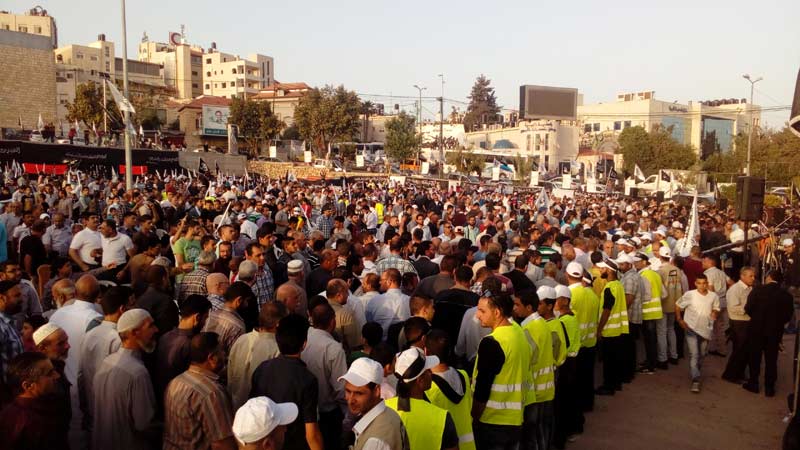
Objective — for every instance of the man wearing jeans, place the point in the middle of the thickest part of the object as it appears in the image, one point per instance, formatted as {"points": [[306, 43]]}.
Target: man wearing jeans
{"points": [[671, 280], [696, 312]]}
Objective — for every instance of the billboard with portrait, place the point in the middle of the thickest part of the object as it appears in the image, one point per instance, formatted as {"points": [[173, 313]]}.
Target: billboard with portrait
{"points": [[215, 120]]}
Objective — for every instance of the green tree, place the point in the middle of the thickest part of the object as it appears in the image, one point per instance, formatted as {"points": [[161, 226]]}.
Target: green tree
{"points": [[775, 155], [255, 121], [327, 115], [402, 140], [654, 151], [483, 108], [291, 133], [88, 105], [466, 161]]}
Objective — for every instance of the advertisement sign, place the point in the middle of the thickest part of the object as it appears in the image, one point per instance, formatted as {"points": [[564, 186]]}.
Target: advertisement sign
{"points": [[426, 166], [359, 160], [307, 157], [215, 120], [273, 151]]}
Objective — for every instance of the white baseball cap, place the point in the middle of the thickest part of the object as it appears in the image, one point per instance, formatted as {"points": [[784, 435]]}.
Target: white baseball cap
{"points": [[546, 292], [647, 236], [363, 371], [664, 252], [412, 363], [624, 258], [259, 416], [677, 224], [43, 332], [624, 242], [574, 269], [787, 242], [608, 264], [563, 291]]}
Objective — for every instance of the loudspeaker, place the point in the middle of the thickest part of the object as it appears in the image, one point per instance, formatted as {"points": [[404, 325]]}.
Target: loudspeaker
{"points": [[722, 203], [635, 192], [749, 198], [660, 197]]}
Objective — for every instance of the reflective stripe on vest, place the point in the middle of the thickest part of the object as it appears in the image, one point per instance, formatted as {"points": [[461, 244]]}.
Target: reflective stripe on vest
{"points": [[651, 309], [544, 366], [573, 330], [618, 319], [504, 406], [460, 412], [424, 423], [586, 307]]}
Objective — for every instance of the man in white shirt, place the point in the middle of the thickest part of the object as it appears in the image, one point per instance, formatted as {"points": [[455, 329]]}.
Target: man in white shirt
{"points": [[86, 245], [696, 312], [391, 307], [739, 320], [58, 236], [117, 247]]}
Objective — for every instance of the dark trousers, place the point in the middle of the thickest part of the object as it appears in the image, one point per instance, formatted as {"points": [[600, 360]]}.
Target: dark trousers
{"points": [[585, 382], [330, 425], [737, 361], [768, 345], [650, 343], [568, 414], [613, 349], [537, 428], [630, 358], [495, 437], [680, 338]]}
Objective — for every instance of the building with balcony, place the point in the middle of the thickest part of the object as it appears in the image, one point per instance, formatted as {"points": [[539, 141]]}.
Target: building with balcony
{"points": [[283, 99], [708, 126], [34, 21], [227, 75], [27, 80]]}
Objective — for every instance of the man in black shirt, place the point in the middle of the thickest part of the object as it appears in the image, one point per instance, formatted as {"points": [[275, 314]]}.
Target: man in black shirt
{"points": [[317, 280], [287, 379], [32, 253], [451, 304], [519, 280]]}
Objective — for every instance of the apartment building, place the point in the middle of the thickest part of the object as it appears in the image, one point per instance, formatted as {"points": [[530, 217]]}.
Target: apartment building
{"points": [[230, 76], [34, 21]]}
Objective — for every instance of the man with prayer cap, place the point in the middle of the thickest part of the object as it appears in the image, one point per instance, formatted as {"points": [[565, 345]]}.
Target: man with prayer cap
{"points": [[123, 390]]}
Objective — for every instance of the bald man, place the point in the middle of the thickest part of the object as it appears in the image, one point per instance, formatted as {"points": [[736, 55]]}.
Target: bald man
{"points": [[216, 284], [63, 292], [289, 295]]}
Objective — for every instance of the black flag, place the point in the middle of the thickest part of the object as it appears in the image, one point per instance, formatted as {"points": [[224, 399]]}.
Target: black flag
{"points": [[203, 168], [665, 176], [794, 117], [216, 165], [612, 174]]}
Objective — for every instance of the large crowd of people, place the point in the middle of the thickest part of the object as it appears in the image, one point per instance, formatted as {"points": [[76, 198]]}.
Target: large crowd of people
{"points": [[205, 312]]}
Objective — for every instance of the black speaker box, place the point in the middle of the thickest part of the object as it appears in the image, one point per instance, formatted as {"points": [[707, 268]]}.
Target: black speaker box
{"points": [[749, 198]]}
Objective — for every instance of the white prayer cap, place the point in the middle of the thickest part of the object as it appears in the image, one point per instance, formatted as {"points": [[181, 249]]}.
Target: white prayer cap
{"points": [[258, 417], [132, 319], [43, 332], [563, 291]]}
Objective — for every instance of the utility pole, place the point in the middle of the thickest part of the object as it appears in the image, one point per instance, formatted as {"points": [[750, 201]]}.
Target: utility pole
{"points": [[752, 125], [126, 114], [419, 107], [105, 108], [441, 126]]}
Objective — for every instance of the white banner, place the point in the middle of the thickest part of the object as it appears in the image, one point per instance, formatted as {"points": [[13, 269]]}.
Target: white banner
{"points": [[534, 179], [359, 160], [215, 120], [563, 193], [426, 167], [273, 151], [495, 173], [566, 181], [307, 156], [591, 185]]}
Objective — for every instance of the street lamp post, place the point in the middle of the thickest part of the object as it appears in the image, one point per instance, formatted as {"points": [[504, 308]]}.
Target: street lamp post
{"points": [[419, 107], [126, 114], [441, 125], [752, 126]]}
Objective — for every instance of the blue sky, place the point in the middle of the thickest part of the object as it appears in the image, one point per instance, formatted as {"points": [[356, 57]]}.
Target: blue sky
{"points": [[684, 50]]}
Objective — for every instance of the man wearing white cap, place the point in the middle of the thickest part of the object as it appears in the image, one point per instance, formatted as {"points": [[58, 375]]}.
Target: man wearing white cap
{"points": [[52, 342], [427, 426], [569, 418], [123, 390], [379, 427], [632, 283], [260, 424], [586, 306], [653, 321], [613, 325]]}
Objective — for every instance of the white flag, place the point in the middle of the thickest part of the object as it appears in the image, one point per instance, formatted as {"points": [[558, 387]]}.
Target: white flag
{"points": [[40, 123], [543, 201], [122, 103], [141, 131], [684, 246], [114, 176], [637, 173], [77, 127]]}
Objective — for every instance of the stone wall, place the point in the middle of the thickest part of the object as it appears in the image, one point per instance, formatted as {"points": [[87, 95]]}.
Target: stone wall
{"points": [[278, 170], [27, 79]]}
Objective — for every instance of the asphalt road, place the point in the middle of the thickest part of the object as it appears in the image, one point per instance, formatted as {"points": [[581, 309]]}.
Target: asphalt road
{"points": [[657, 412]]}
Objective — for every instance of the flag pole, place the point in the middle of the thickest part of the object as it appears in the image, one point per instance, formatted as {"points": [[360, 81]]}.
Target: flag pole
{"points": [[126, 114]]}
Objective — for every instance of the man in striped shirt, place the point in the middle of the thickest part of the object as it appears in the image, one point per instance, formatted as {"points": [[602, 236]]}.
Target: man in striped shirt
{"points": [[197, 410], [226, 321]]}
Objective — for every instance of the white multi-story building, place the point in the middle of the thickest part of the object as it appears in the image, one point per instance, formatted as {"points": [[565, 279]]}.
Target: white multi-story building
{"points": [[227, 75], [707, 126], [182, 63]]}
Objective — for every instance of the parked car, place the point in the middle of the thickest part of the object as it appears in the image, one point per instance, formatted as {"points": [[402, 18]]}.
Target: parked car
{"points": [[77, 140], [36, 136], [558, 183], [652, 184], [330, 164]]}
